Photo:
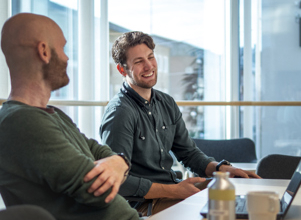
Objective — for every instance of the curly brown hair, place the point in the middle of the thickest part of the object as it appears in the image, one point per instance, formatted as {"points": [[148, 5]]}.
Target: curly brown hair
{"points": [[128, 40]]}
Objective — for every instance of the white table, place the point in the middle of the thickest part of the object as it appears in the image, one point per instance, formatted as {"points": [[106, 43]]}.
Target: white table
{"points": [[246, 166], [190, 208]]}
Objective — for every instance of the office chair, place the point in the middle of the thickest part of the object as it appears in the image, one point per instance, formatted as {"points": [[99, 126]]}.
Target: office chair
{"points": [[277, 166], [241, 150], [25, 212]]}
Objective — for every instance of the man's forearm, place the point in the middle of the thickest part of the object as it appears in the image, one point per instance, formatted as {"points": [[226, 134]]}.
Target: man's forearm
{"points": [[159, 190], [181, 190]]}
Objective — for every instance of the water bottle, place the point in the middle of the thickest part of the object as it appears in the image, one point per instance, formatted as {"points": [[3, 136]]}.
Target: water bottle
{"points": [[221, 197]]}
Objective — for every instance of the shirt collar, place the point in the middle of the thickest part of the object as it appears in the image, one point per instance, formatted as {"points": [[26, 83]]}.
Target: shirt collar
{"points": [[138, 99]]}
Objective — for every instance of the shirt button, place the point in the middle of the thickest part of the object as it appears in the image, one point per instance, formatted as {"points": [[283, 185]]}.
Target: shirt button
{"points": [[163, 127], [161, 150], [163, 168], [149, 113], [145, 102], [156, 130]]}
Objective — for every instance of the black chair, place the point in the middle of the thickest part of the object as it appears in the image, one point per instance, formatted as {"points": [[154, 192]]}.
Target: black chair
{"points": [[277, 166], [25, 212], [241, 150]]}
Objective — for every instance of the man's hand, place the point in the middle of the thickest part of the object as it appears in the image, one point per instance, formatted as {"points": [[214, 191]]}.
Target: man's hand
{"points": [[110, 174], [236, 172], [186, 188], [181, 190]]}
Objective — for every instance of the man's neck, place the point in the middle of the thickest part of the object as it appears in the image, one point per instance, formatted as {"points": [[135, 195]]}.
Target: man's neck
{"points": [[28, 101], [144, 93], [33, 95]]}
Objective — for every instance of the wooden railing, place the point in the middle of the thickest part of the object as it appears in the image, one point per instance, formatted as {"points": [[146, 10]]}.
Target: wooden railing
{"points": [[180, 103]]}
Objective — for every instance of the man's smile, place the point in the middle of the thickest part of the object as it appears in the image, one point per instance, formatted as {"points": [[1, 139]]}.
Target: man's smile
{"points": [[148, 75]]}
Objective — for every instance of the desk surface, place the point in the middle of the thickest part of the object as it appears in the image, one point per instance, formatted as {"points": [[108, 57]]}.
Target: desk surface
{"points": [[190, 208], [246, 166]]}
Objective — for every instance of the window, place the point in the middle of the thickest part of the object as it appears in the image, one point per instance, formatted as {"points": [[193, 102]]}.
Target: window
{"points": [[279, 77], [81, 23], [190, 52], [207, 50]]}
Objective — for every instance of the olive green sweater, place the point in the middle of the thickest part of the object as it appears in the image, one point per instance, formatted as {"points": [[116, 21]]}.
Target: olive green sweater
{"points": [[43, 161]]}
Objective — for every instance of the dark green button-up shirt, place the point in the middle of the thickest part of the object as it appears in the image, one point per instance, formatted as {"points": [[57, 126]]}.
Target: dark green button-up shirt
{"points": [[146, 133]]}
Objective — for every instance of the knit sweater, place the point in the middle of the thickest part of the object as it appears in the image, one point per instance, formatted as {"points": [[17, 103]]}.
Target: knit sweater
{"points": [[43, 161]]}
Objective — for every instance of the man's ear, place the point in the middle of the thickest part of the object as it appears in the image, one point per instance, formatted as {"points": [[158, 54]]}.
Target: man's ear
{"points": [[44, 52], [121, 69]]}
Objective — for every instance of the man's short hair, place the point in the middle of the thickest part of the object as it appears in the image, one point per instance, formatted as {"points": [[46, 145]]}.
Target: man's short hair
{"points": [[128, 40]]}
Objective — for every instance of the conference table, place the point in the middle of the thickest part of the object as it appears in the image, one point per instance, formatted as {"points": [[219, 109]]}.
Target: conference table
{"points": [[190, 208], [246, 166]]}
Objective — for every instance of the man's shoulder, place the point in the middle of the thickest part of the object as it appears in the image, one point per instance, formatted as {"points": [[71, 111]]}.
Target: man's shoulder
{"points": [[11, 108], [162, 96], [15, 112], [20, 116], [121, 101]]}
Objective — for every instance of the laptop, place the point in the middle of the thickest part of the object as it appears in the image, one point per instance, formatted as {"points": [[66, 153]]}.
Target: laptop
{"points": [[285, 202]]}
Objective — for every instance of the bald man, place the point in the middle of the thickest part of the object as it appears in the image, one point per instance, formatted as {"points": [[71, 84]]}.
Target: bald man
{"points": [[44, 159]]}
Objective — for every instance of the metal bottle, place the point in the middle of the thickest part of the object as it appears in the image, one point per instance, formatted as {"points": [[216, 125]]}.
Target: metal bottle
{"points": [[221, 197]]}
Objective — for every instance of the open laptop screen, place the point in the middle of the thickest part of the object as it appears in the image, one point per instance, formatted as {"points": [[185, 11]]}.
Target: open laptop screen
{"points": [[291, 189]]}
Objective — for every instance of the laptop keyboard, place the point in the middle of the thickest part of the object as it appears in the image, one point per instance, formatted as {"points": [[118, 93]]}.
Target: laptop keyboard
{"points": [[241, 204]]}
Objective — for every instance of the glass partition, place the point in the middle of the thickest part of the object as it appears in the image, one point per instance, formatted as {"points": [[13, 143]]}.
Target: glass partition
{"points": [[191, 40]]}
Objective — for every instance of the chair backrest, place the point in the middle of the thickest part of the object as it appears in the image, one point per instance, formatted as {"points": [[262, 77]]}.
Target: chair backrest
{"points": [[241, 150], [277, 166]]}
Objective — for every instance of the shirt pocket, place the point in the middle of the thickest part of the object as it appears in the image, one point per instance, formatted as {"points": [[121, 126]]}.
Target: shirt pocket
{"points": [[167, 133], [144, 144]]}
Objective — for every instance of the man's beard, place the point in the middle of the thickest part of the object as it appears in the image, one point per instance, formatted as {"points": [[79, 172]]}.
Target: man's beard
{"points": [[140, 83], [55, 72]]}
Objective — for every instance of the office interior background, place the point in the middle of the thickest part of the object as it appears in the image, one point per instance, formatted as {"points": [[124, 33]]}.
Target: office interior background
{"points": [[207, 50]]}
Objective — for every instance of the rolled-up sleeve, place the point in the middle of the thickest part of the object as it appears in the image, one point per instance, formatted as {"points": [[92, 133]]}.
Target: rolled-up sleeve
{"points": [[135, 186]]}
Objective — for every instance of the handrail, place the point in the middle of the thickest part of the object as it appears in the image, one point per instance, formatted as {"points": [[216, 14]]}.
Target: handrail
{"points": [[78, 103], [180, 103], [239, 103]]}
